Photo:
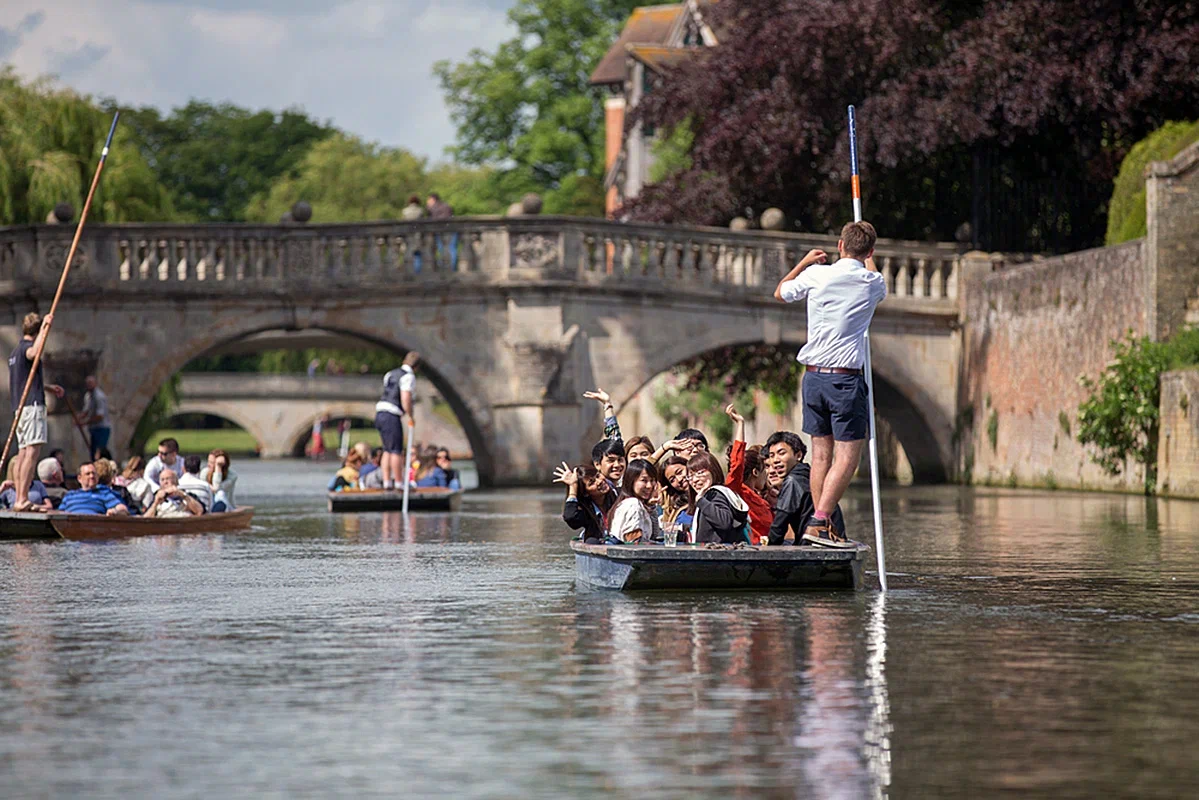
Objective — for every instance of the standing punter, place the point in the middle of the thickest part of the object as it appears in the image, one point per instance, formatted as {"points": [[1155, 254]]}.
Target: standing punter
{"points": [[841, 299], [31, 426], [399, 394]]}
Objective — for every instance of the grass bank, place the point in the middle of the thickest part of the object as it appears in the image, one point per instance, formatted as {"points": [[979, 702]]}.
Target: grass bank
{"points": [[236, 441]]}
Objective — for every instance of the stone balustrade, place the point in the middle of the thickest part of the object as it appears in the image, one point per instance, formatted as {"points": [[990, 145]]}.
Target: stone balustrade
{"points": [[226, 258]]}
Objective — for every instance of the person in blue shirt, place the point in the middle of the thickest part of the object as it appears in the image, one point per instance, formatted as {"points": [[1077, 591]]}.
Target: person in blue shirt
{"points": [[91, 497], [37, 496], [443, 475]]}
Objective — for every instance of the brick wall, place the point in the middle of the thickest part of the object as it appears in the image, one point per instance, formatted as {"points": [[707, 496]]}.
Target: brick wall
{"points": [[1029, 332], [1178, 444]]}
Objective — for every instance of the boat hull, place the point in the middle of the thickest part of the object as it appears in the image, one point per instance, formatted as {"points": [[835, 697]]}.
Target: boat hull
{"points": [[654, 567], [93, 527], [379, 500]]}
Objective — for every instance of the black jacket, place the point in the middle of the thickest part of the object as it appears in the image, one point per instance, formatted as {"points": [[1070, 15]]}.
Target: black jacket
{"points": [[717, 519], [794, 507], [580, 514]]}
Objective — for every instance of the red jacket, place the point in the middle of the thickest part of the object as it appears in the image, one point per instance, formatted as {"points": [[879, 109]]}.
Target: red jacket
{"points": [[760, 513]]}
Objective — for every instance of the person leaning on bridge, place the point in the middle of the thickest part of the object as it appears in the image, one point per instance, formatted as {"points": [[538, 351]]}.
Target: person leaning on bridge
{"points": [[399, 397], [841, 299], [31, 425]]}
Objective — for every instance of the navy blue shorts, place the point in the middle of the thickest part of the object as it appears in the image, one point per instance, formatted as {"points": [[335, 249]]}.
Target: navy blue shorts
{"points": [[391, 431], [835, 405]]}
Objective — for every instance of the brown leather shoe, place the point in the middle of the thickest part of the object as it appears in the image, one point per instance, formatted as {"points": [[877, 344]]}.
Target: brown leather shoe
{"points": [[817, 532]]}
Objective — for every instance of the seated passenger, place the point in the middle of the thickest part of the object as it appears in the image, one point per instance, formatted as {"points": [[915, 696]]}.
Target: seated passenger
{"points": [[588, 500], [91, 497], [608, 458], [50, 473], [747, 477], [172, 501], [639, 447], [691, 441], [371, 467], [442, 475], [133, 478], [794, 507], [106, 471], [675, 496], [631, 519], [191, 482], [38, 497], [720, 514], [347, 476], [221, 479]]}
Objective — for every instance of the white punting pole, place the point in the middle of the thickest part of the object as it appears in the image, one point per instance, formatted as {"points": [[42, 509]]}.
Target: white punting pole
{"points": [[410, 424], [876, 498]]}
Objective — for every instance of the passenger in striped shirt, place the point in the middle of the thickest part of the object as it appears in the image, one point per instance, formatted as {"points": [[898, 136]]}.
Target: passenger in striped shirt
{"points": [[91, 497]]}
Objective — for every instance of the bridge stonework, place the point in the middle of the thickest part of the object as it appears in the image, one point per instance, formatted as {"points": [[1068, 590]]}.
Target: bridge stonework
{"points": [[536, 311]]}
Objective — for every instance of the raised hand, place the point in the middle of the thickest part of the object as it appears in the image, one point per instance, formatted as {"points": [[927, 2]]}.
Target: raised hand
{"points": [[566, 475], [731, 410], [815, 256], [600, 395]]}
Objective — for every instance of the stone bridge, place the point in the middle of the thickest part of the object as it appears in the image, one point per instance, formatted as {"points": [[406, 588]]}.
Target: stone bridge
{"points": [[534, 311], [278, 410]]}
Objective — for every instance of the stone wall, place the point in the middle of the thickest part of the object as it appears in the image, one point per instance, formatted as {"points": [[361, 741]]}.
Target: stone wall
{"points": [[1029, 332], [1178, 442], [1172, 206]]}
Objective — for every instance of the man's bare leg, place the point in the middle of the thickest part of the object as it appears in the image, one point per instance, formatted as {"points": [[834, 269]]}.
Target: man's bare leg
{"points": [[846, 457], [26, 463], [822, 462]]}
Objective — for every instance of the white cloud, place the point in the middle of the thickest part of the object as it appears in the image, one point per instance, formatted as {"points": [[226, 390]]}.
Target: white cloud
{"points": [[364, 64]]}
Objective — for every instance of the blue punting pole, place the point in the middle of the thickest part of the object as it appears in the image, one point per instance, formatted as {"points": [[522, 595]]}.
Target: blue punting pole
{"points": [[876, 497]]}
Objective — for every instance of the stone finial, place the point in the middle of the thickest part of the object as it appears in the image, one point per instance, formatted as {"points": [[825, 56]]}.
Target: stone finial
{"points": [[517, 209], [772, 219], [301, 212], [531, 203], [738, 224]]}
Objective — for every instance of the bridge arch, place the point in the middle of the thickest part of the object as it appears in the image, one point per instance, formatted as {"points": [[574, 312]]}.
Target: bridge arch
{"points": [[456, 385], [919, 423]]}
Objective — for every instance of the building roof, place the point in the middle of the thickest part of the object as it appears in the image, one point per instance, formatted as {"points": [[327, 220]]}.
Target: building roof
{"points": [[659, 58], [648, 25]]}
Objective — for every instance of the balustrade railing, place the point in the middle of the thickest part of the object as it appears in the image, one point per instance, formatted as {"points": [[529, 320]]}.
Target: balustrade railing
{"points": [[201, 259]]}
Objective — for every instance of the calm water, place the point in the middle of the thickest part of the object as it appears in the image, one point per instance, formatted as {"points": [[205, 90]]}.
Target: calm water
{"points": [[1033, 644]]}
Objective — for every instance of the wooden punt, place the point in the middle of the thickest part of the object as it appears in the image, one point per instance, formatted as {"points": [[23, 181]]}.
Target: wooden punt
{"points": [[384, 500], [638, 567], [93, 527]]}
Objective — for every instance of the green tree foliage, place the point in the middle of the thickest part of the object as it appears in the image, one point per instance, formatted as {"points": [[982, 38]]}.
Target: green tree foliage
{"points": [[214, 158], [50, 141], [701, 405], [528, 106], [345, 180], [1126, 219], [1120, 418]]}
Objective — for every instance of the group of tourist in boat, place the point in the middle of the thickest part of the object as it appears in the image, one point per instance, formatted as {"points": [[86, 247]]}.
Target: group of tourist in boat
{"points": [[168, 485], [432, 467], [633, 493]]}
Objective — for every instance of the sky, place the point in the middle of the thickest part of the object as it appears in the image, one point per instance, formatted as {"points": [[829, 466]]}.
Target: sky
{"points": [[364, 65]]}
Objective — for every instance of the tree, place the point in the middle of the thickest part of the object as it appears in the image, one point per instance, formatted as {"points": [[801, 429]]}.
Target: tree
{"points": [[215, 158], [528, 106], [1128, 217], [50, 142], [345, 180], [1025, 91]]}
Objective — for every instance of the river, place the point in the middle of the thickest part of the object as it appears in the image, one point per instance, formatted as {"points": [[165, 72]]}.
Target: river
{"points": [[1033, 644]]}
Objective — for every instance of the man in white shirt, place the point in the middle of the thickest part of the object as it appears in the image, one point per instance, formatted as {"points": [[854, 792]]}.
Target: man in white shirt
{"points": [[167, 458], [191, 483], [841, 299], [399, 394]]}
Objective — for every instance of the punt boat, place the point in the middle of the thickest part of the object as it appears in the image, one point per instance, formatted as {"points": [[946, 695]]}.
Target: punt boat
{"points": [[636, 567], [93, 527], [433, 499]]}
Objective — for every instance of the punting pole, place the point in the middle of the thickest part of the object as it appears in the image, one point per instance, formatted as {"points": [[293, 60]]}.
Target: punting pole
{"points": [[62, 282], [411, 426], [875, 495]]}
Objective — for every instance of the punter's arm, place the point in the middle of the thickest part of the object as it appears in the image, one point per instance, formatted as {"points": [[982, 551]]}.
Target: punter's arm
{"points": [[813, 257], [407, 404], [870, 265], [40, 341]]}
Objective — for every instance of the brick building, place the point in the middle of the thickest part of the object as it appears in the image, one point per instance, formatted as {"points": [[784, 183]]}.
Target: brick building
{"points": [[653, 39]]}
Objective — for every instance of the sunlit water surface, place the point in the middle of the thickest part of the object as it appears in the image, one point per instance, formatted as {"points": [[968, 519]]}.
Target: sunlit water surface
{"points": [[1032, 644]]}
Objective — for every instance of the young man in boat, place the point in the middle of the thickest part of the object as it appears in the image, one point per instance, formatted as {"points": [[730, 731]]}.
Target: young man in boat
{"points": [[793, 507], [397, 401], [31, 425], [841, 299]]}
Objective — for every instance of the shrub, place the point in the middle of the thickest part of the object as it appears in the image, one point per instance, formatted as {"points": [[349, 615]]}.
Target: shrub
{"points": [[1126, 217]]}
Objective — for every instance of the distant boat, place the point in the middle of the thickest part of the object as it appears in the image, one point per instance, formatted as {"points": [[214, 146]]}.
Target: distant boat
{"points": [[635, 567], [434, 499], [92, 527]]}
